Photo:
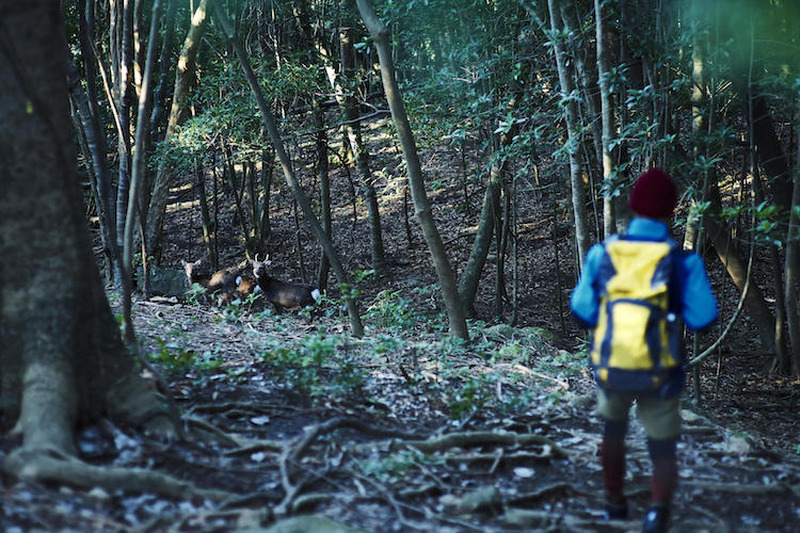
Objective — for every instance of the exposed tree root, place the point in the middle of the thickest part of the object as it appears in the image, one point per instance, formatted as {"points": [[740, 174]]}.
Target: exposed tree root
{"points": [[500, 457], [544, 492], [40, 465], [480, 438], [290, 457], [738, 488], [208, 432]]}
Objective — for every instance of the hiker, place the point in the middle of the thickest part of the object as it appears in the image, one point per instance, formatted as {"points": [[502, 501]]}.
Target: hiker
{"points": [[634, 292]]}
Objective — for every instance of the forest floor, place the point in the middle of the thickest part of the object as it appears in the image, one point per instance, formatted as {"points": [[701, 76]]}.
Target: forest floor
{"points": [[310, 429]]}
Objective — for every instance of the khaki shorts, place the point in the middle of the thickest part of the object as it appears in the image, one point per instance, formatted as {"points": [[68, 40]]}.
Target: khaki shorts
{"points": [[660, 417]]}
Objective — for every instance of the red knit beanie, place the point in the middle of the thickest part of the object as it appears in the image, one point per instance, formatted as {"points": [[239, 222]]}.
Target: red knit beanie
{"points": [[654, 194]]}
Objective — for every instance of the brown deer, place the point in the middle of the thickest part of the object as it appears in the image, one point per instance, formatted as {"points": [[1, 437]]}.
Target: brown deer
{"points": [[281, 294], [228, 284]]}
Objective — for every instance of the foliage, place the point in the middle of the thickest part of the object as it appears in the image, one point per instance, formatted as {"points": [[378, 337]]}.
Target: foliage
{"points": [[391, 309], [396, 465], [303, 367], [174, 358]]}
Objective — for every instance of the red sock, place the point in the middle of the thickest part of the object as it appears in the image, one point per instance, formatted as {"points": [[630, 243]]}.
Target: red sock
{"points": [[613, 460], [665, 470], [664, 480]]}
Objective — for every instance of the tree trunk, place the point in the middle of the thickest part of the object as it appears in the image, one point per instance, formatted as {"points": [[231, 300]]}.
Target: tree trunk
{"points": [[455, 309], [138, 170], [468, 287], [267, 172], [490, 214], [95, 144], [291, 179], [771, 155], [323, 177], [124, 98], [573, 137], [164, 61], [184, 80], [209, 229], [353, 130], [62, 361], [737, 269], [94, 129], [589, 100], [607, 120], [698, 99], [792, 272]]}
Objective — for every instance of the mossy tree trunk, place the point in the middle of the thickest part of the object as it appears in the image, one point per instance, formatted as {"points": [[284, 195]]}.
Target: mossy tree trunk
{"points": [[62, 360]]}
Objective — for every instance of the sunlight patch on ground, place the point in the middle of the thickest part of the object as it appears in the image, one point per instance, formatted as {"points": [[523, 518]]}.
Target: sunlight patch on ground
{"points": [[181, 206]]}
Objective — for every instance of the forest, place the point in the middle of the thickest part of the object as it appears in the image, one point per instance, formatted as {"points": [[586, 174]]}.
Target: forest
{"points": [[306, 265]]}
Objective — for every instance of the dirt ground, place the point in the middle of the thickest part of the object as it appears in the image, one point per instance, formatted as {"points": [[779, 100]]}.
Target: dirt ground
{"points": [[405, 430]]}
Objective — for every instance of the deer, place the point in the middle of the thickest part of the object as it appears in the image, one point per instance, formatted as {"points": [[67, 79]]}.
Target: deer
{"points": [[229, 284], [281, 294]]}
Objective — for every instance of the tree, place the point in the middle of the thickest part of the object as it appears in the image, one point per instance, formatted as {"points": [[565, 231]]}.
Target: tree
{"points": [[607, 122], [62, 359], [566, 85], [184, 80], [300, 196], [343, 84], [380, 34]]}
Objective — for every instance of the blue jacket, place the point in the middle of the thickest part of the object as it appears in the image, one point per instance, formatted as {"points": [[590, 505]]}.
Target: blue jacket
{"points": [[695, 301], [690, 295]]}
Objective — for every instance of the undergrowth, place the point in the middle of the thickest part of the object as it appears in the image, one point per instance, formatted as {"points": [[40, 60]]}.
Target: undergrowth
{"points": [[498, 371]]}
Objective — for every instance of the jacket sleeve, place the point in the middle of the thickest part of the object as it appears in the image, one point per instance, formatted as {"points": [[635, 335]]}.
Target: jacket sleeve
{"points": [[698, 304], [585, 298]]}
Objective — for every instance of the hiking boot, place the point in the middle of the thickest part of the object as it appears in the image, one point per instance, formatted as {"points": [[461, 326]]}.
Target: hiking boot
{"points": [[656, 520], [617, 511]]}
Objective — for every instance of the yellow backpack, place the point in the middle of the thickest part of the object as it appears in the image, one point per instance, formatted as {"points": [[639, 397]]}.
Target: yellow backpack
{"points": [[636, 344]]}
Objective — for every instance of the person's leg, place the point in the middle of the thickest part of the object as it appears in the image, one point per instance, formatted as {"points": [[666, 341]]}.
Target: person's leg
{"points": [[613, 409], [661, 419]]}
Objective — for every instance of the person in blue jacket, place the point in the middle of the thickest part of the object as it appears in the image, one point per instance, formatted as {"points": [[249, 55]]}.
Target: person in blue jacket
{"points": [[652, 200]]}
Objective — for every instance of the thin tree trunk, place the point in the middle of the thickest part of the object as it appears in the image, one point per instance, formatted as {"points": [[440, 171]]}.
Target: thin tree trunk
{"points": [[209, 232], [184, 80], [291, 179], [138, 171], [352, 128], [792, 273], [607, 120], [96, 159], [737, 269], [771, 155], [123, 101], [94, 130], [589, 99], [323, 178], [264, 224], [490, 214], [160, 92], [241, 215], [573, 137], [380, 34], [468, 287]]}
